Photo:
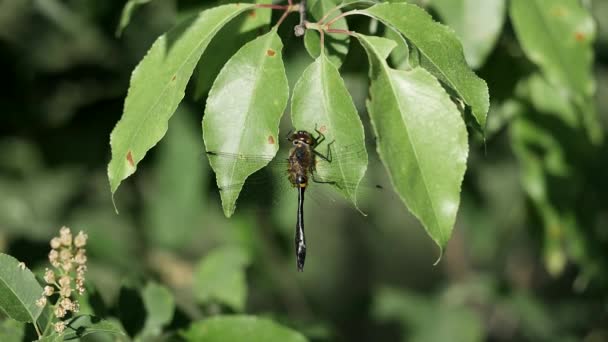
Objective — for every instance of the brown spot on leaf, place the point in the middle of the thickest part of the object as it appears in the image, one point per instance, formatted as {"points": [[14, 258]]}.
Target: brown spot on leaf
{"points": [[253, 14], [173, 79], [130, 159], [579, 36], [270, 52], [323, 129], [271, 140]]}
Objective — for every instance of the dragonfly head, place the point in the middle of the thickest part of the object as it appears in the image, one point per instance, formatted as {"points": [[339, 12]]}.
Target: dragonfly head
{"points": [[301, 137]]}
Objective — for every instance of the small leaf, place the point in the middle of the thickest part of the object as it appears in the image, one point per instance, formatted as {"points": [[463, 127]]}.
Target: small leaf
{"points": [[243, 111], [81, 326], [240, 328], [19, 290], [477, 23], [321, 101], [160, 305], [127, 11], [336, 45], [440, 52], [421, 139], [220, 277], [157, 87]]}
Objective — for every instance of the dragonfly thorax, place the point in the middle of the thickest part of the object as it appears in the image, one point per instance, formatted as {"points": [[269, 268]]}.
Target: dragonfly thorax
{"points": [[301, 162]]}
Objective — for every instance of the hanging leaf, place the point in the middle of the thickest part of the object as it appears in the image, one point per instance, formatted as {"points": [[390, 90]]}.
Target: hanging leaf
{"points": [[421, 139], [321, 101], [157, 87], [440, 52], [243, 112], [19, 290], [558, 36], [240, 328], [477, 23]]}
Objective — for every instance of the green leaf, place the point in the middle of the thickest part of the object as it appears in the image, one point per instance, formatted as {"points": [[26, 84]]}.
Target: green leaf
{"points": [[243, 111], [421, 139], [160, 305], [11, 331], [558, 36], [336, 44], [127, 11], [220, 277], [227, 42], [157, 87], [81, 326], [240, 328], [400, 54], [440, 53], [321, 101], [19, 290], [477, 23]]}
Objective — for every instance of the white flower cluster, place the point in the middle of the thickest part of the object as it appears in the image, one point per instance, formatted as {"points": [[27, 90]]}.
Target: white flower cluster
{"points": [[68, 258]]}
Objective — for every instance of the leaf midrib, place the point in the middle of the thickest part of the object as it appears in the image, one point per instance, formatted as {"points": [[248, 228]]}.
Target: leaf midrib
{"points": [[385, 69], [326, 100], [262, 61]]}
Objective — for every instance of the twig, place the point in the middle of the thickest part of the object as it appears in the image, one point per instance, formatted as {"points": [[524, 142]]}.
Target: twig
{"points": [[350, 33], [301, 27], [277, 7]]}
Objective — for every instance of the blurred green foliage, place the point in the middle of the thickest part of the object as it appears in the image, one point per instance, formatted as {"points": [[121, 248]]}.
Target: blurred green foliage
{"points": [[528, 259]]}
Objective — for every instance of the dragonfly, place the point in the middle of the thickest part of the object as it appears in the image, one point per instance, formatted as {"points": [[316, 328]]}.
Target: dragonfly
{"points": [[301, 168]]}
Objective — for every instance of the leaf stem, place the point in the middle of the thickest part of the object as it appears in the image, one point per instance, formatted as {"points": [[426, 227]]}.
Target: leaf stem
{"points": [[37, 329], [277, 7], [301, 27], [342, 6], [343, 15], [339, 31], [288, 9]]}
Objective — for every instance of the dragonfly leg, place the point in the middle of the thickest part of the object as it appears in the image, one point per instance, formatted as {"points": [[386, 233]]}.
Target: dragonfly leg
{"points": [[321, 181], [328, 156], [320, 138]]}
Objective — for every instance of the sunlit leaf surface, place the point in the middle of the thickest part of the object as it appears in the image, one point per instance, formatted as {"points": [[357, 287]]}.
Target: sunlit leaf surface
{"points": [[421, 138]]}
